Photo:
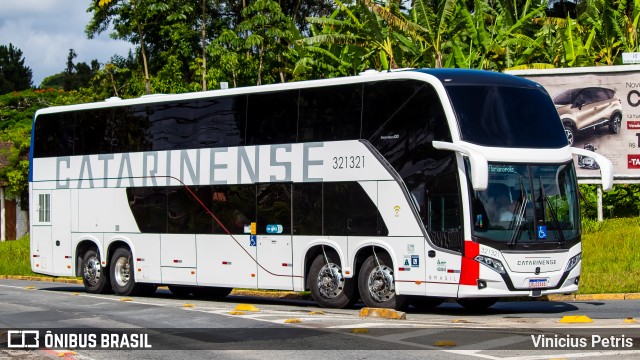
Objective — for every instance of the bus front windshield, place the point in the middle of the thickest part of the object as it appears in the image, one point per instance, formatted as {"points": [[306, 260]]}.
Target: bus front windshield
{"points": [[527, 205]]}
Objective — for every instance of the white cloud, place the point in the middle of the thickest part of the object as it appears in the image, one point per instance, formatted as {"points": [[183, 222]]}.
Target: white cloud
{"points": [[45, 30]]}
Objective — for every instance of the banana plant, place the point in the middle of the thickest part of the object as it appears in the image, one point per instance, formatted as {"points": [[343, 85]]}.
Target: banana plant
{"points": [[376, 32]]}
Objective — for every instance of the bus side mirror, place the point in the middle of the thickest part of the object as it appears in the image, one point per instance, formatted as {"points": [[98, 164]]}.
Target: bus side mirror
{"points": [[606, 168], [479, 165]]}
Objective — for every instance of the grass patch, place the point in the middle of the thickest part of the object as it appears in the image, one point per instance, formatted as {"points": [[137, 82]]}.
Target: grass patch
{"points": [[610, 256], [14, 257]]}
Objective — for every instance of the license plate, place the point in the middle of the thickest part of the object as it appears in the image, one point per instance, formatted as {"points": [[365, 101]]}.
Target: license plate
{"points": [[537, 283]]}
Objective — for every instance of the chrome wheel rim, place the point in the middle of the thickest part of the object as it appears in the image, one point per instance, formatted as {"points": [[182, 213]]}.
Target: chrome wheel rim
{"points": [[569, 135], [381, 284], [122, 271], [616, 124], [91, 270], [330, 281]]}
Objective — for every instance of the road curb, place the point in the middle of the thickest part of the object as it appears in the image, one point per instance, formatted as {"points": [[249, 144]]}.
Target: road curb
{"points": [[293, 295], [41, 278], [382, 313], [593, 297]]}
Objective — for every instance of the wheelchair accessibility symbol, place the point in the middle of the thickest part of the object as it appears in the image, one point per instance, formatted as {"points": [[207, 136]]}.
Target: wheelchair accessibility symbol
{"points": [[542, 232]]}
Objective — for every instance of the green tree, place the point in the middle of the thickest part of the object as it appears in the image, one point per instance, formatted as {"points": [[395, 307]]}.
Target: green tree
{"points": [[74, 77], [14, 75], [267, 33], [130, 19]]}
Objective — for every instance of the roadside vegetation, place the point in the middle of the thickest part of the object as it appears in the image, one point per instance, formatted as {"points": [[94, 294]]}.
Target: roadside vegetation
{"points": [[610, 256]]}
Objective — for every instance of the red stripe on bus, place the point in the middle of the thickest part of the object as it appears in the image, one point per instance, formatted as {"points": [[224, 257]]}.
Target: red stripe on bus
{"points": [[470, 270]]}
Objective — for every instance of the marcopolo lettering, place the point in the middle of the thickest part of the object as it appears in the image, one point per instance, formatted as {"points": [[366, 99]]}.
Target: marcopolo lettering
{"points": [[237, 165]]}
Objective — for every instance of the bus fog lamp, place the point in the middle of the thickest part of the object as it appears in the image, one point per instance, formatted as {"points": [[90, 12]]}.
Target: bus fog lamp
{"points": [[494, 264], [573, 262]]}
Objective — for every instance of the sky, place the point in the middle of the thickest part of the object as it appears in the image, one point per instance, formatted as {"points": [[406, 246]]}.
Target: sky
{"points": [[45, 30]]}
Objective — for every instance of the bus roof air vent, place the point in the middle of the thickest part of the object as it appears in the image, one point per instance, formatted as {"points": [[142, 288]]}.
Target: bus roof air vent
{"points": [[112, 99]]}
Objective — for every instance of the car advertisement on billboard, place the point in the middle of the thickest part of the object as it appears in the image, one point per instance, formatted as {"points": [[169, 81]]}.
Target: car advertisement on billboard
{"points": [[600, 110]]}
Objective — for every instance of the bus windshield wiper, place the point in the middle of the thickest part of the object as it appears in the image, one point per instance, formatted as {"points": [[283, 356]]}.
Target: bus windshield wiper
{"points": [[552, 212], [519, 216]]}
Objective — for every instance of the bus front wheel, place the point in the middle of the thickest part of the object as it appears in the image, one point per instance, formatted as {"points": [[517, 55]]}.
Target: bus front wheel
{"points": [[377, 283], [329, 288], [94, 277]]}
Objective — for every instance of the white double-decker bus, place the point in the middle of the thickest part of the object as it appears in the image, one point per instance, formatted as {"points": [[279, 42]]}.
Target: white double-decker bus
{"points": [[394, 188]]}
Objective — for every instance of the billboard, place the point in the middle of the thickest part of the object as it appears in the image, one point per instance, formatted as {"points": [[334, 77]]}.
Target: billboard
{"points": [[600, 110]]}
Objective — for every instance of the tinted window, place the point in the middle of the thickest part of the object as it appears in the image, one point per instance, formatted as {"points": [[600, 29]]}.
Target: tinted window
{"points": [[130, 129], [234, 206], [274, 207], [401, 118], [54, 135], [221, 122], [272, 118], [307, 208], [363, 213], [149, 208], [599, 94], [91, 136], [331, 113], [173, 125], [348, 210], [186, 214], [438, 200], [335, 208], [504, 116]]}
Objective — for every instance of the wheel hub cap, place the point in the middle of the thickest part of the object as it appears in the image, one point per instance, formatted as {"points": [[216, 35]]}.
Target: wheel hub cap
{"points": [[122, 271], [91, 271], [330, 281], [381, 284]]}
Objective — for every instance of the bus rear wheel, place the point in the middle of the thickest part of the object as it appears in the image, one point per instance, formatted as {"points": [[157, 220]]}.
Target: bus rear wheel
{"points": [[94, 277], [376, 283], [329, 288], [122, 275]]}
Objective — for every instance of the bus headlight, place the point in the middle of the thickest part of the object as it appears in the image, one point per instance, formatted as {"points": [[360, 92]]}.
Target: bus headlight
{"points": [[492, 263], [573, 262]]}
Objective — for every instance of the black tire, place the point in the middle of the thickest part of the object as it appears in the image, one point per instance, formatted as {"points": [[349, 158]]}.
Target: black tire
{"points": [[329, 288], [94, 277], [615, 123], [377, 284], [208, 292], [425, 302], [570, 132], [122, 275], [477, 304], [180, 290]]}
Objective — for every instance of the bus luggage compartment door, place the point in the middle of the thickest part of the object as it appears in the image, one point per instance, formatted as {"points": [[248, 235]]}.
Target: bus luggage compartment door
{"points": [[61, 232]]}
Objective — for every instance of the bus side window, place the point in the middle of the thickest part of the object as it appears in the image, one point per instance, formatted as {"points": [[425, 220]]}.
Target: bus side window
{"points": [[273, 207], [234, 206], [307, 208], [330, 114], [272, 118]]}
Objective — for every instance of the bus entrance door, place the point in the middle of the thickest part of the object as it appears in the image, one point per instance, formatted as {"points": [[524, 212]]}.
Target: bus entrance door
{"points": [[443, 272]]}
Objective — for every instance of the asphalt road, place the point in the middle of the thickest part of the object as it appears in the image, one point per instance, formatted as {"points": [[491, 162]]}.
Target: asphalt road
{"points": [[195, 328]]}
